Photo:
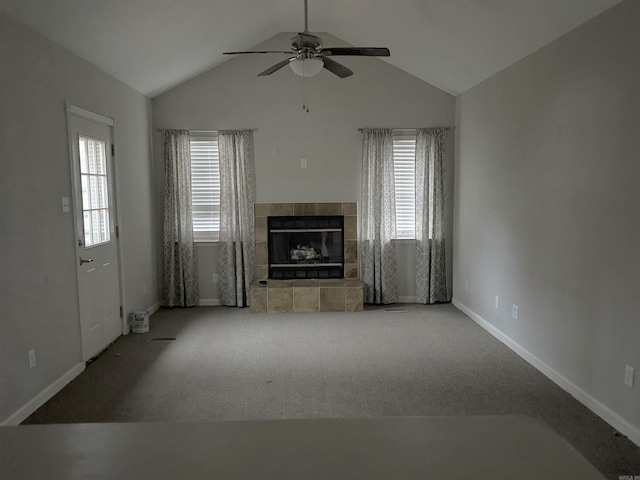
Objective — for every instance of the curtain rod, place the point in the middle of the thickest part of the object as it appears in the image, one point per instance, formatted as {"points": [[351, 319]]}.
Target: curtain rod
{"points": [[205, 131], [414, 129]]}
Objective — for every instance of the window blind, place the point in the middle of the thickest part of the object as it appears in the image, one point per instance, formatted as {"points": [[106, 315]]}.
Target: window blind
{"points": [[205, 185], [404, 169]]}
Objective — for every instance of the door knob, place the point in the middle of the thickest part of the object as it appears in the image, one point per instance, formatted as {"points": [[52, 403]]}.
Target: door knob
{"points": [[88, 260]]}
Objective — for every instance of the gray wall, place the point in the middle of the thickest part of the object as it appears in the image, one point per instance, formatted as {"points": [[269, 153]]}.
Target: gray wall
{"points": [[38, 290], [231, 96], [547, 207]]}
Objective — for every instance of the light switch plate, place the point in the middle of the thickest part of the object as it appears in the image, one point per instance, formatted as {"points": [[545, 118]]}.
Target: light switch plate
{"points": [[628, 376]]}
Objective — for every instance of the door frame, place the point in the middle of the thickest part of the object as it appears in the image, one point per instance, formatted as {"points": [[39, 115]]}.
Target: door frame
{"points": [[73, 110]]}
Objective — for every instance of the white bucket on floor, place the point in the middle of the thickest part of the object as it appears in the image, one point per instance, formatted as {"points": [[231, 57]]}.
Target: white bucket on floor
{"points": [[140, 322]]}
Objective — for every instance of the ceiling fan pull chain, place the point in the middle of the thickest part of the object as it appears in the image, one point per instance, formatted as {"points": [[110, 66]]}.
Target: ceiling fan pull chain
{"points": [[305, 94]]}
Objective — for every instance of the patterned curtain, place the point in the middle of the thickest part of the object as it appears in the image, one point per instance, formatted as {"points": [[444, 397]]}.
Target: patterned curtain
{"points": [[378, 218], [237, 196], [180, 274], [431, 270]]}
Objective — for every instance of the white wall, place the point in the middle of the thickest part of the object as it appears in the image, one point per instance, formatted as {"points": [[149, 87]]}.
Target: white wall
{"points": [[38, 291], [547, 209], [231, 96]]}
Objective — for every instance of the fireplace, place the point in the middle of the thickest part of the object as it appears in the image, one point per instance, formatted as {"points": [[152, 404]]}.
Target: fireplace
{"points": [[315, 265], [305, 247], [347, 210]]}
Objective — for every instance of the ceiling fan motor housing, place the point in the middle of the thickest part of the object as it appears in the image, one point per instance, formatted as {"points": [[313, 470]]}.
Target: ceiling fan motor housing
{"points": [[305, 43]]}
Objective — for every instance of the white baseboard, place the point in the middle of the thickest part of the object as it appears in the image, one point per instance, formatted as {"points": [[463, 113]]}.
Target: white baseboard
{"points": [[597, 407], [153, 308], [42, 397], [209, 302]]}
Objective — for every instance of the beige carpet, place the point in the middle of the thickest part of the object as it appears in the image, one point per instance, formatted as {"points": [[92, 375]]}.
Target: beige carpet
{"points": [[230, 364]]}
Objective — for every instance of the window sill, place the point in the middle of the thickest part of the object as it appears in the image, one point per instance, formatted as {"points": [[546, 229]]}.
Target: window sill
{"points": [[206, 243], [408, 240]]}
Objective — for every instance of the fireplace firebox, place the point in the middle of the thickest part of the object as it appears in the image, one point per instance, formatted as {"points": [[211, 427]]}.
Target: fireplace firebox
{"points": [[302, 247]]}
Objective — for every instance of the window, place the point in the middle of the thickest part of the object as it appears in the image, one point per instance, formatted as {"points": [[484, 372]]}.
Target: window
{"points": [[205, 186], [95, 191], [404, 169]]}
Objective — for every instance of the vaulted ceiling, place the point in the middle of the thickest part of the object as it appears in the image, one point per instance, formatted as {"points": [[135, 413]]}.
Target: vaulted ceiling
{"points": [[153, 45]]}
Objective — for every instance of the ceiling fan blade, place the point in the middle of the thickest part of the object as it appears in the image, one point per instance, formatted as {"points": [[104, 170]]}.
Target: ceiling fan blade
{"points": [[362, 51], [262, 51], [336, 68], [275, 67]]}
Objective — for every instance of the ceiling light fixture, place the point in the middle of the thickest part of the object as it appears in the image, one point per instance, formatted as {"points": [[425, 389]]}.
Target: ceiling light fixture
{"points": [[306, 67]]}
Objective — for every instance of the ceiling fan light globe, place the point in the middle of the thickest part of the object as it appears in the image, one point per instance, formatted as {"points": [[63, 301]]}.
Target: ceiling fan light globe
{"points": [[306, 67]]}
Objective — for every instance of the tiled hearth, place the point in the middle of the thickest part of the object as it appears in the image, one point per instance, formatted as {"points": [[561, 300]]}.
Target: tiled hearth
{"points": [[311, 295], [277, 296]]}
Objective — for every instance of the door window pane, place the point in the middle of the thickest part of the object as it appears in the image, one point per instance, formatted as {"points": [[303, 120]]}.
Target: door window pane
{"points": [[95, 191]]}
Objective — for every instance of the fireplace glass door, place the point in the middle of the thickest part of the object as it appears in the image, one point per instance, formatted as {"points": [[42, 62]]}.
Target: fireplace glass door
{"points": [[306, 247]]}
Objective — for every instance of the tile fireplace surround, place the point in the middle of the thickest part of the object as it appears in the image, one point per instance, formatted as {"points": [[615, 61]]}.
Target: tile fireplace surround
{"points": [[312, 295]]}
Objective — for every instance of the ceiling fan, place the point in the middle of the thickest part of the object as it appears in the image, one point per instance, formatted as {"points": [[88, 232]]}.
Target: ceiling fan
{"points": [[310, 56]]}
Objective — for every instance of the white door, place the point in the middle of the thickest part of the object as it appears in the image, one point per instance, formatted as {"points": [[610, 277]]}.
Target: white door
{"points": [[96, 242]]}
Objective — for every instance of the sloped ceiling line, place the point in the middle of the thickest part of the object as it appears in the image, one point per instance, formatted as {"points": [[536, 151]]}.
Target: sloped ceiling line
{"points": [[152, 45]]}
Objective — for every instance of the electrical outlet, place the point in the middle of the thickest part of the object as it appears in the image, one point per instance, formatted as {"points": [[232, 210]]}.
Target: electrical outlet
{"points": [[32, 358], [628, 376], [515, 312], [497, 301], [215, 278]]}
